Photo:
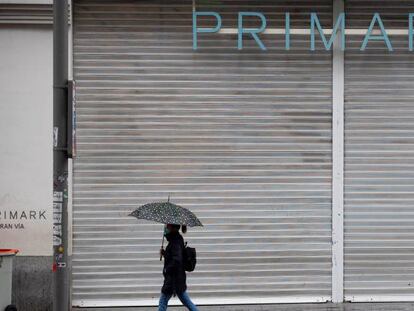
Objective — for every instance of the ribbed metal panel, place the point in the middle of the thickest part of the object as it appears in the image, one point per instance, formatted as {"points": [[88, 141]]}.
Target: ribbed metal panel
{"points": [[26, 14], [379, 178], [242, 138], [394, 13]]}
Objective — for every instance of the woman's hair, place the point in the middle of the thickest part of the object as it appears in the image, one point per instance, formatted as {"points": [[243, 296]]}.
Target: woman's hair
{"points": [[176, 227]]}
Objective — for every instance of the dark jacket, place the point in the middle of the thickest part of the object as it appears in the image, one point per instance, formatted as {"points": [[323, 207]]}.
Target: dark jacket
{"points": [[174, 273]]}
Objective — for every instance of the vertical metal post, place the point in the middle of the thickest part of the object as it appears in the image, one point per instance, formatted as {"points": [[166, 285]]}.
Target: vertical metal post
{"points": [[338, 162], [60, 156]]}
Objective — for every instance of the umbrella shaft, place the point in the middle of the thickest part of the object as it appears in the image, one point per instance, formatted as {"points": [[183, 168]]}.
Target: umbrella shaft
{"points": [[162, 245]]}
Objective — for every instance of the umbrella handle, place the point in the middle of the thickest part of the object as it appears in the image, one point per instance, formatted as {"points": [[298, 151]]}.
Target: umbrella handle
{"points": [[162, 245]]}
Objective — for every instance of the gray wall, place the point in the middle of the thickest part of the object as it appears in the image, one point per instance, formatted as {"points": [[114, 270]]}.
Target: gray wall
{"points": [[26, 162], [32, 283], [26, 117]]}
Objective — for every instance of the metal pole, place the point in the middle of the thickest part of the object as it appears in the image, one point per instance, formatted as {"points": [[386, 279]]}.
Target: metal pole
{"points": [[338, 162], [60, 155]]}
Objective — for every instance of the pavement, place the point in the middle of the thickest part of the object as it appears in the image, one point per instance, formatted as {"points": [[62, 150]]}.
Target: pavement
{"points": [[282, 307]]}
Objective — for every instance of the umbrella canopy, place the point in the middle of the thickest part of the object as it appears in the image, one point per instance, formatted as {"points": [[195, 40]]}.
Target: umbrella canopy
{"points": [[167, 213]]}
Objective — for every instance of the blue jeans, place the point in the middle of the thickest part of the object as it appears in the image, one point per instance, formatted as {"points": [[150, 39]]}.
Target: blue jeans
{"points": [[184, 298]]}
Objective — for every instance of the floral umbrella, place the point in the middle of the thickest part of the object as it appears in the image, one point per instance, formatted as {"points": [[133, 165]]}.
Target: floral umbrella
{"points": [[167, 213]]}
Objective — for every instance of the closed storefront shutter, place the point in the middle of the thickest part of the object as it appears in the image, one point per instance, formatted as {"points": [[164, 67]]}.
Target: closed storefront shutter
{"points": [[30, 14], [379, 179], [242, 138]]}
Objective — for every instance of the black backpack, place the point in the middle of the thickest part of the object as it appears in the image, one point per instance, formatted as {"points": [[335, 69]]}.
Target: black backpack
{"points": [[190, 258]]}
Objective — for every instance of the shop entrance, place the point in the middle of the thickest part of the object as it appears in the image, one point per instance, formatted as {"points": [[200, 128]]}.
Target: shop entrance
{"points": [[244, 139]]}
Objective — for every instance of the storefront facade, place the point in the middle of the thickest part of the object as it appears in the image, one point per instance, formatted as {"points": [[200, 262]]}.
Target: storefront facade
{"points": [[298, 162]]}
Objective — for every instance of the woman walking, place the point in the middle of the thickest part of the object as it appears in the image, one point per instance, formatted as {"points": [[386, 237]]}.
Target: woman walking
{"points": [[174, 272]]}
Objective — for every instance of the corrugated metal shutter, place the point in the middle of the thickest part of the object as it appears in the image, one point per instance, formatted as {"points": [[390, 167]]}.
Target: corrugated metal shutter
{"points": [[26, 13], [241, 138], [379, 179]]}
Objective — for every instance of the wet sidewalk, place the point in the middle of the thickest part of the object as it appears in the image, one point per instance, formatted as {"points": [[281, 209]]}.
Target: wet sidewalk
{"points": [[284, 307]]}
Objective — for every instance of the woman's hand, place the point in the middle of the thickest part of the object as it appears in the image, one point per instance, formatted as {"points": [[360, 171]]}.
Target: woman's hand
{"points": [[162, 252]]}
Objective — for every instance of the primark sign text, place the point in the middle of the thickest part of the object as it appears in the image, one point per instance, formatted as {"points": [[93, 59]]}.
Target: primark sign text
{"points": [[375, 32]]}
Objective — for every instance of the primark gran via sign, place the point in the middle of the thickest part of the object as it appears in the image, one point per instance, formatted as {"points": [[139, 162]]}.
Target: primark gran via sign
{"points": [[14, 219], [375, 32]]}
